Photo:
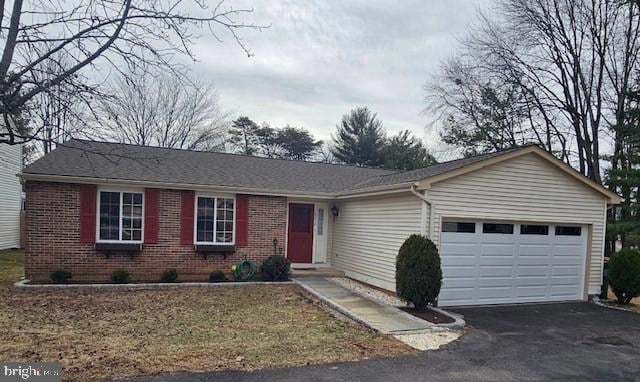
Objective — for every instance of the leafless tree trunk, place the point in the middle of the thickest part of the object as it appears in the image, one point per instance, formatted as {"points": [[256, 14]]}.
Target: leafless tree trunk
{"points": [[95, 36]]}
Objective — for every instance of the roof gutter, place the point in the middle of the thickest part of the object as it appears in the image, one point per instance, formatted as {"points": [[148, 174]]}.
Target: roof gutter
{"points": [[373, 191], [423, 197]]}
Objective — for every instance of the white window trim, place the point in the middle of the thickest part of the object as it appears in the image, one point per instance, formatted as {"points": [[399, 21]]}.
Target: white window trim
{"points": [[215, 219], [119, 190]]}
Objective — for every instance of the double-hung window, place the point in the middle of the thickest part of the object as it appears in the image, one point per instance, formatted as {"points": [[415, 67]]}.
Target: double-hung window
{"points": [[215, 220], [120, 216]]}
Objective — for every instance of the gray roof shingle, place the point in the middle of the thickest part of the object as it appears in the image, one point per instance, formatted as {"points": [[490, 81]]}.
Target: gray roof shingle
{"points": [[80, 158], [426, 172]]}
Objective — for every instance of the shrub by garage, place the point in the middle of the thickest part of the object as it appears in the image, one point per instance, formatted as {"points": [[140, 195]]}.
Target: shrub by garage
{"points": [[624, 275], [418, 272]]}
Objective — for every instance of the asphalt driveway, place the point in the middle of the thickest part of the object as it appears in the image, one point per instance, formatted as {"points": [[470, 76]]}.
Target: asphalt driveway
{"points": [[553, 342]]}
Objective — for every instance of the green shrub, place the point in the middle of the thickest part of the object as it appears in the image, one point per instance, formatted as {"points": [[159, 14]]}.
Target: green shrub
{"points": [[120, 276], [418, 272], [60, 276], [276, 268], [624, 275], [217, 277], [169, 276]]}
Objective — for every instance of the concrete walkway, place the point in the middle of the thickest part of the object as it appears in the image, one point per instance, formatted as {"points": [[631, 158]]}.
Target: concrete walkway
{"points": [[384, 318]]}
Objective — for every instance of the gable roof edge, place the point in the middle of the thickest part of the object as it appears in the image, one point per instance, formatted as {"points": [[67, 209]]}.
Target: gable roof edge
{"points": [[613, 198]]}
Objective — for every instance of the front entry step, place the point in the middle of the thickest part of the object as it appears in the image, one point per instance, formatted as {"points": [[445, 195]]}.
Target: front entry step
{"points": [[316, 272]]}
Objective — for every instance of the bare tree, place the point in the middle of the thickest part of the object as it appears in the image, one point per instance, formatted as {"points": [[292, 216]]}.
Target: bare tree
{"points": [[95, 35], [57, 114], [161, 110], [480, 113], [325, 153], [558, 54]]}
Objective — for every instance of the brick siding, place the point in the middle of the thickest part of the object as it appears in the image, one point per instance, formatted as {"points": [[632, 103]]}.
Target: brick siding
{"points": [[53, 239]]}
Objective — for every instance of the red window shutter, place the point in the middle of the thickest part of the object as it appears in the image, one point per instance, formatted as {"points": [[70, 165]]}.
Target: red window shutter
{"points": [[151, 212], [242, 220], [88, 194], [186, 233]]}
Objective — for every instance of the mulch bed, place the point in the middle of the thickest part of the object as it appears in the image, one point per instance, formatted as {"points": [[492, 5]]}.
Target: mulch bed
{"points": [[429, 315]]}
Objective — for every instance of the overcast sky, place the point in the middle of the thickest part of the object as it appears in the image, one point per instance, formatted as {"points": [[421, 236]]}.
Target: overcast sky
{"points": [[320, 59]]}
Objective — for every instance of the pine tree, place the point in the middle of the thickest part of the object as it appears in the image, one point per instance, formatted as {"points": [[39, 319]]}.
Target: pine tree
{"points": [[406, 152], [360, 138], [243, 136], [624, 179]]}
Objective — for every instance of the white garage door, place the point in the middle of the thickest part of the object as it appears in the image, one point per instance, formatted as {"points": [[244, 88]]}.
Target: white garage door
{"points": [[509, 262]]}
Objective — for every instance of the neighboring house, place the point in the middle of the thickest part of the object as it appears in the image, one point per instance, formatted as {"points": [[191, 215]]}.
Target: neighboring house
{"points": [[10, 195], [514, 226]]}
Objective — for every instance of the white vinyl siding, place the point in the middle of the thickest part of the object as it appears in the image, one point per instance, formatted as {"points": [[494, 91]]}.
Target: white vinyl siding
{"points": [[10, 195], [523, 189], [368, 233]]}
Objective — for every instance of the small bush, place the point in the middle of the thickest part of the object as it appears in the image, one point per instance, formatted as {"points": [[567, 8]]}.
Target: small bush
{"points": [[624, 275], [418, 272], [60, 276], [276, 268], [120, 276], [217, 277], [169, 276]]}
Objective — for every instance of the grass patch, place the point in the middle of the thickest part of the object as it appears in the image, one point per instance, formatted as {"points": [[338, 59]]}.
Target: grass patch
{"points": [[99, 334], [11, 267]]}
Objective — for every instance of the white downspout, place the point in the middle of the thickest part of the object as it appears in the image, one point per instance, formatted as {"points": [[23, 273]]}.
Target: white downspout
{"points": [[428, 203]]}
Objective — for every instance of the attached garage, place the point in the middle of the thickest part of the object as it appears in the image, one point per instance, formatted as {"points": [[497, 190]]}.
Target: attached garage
{"points": [[490, 262], [517, 226]]}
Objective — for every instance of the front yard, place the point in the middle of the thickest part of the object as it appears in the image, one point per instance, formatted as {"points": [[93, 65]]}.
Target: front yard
{"points": [[99, 335]]}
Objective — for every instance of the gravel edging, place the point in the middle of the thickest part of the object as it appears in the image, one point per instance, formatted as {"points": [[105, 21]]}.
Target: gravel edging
{"points": [[429, 341], [596, 300], [25, 284], [388, 299]]}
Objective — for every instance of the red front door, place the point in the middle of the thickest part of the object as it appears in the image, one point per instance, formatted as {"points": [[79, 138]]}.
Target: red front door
{"points": [[300, 240]]}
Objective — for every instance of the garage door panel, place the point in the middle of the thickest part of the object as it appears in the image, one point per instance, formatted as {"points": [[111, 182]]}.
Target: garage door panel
{"points": [[460, 249], [565, 280], [496, 249], [458, 261], [532, 261], [565, 261], [481, 268], [459, 271], [496, 292], [564, 291], [459, 282], [497, 282], [538, 250], [565, 270], [532, 270], [496, 271], [457, 296], [531, 292], [495, 261], [533, 281]]}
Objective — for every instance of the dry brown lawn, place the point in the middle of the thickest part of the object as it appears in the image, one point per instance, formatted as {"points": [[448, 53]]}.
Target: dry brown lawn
{"points": [[99, 335]]}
